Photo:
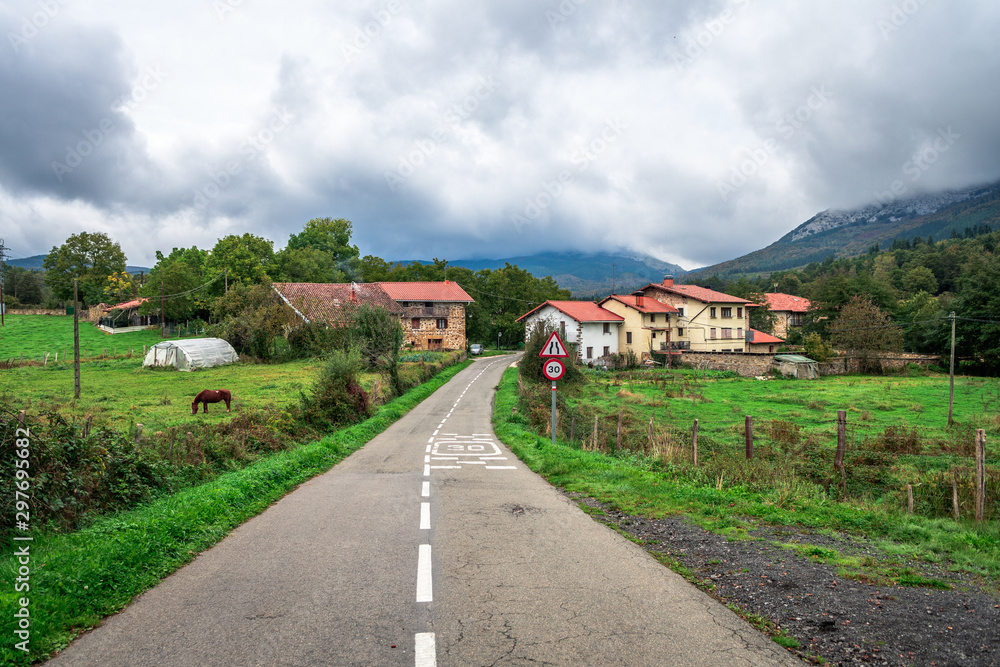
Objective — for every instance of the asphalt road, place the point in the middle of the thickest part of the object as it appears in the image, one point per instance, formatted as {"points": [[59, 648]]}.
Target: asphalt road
{"points": [[431, 545]]}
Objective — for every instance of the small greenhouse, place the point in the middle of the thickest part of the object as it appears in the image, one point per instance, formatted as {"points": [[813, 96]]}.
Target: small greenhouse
{"points": [[797, 366], [187, 355]]}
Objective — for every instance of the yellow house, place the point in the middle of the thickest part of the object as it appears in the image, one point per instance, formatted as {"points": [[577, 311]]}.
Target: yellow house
{"points": [[647, 323], [707, 321]]}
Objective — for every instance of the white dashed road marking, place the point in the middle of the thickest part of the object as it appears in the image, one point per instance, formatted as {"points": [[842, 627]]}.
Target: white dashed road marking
{"points": [[424, 587]]}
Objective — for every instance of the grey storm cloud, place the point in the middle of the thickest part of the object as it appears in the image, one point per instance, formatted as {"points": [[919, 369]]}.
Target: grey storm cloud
{"points": [[696, 131]]}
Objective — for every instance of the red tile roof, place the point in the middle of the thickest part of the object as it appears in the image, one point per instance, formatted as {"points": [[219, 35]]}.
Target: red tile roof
{"points": [[787, 302], [448, 290], [333, 303], [645, 304], [126, 305], [761, 337], [702, 294], [581, 311]]}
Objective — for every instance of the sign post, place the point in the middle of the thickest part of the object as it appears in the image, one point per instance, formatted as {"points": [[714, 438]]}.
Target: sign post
{"points": [[553, 369]]}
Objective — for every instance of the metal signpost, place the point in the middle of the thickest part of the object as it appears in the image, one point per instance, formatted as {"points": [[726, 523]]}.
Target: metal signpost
{"points": [[553, 369]]}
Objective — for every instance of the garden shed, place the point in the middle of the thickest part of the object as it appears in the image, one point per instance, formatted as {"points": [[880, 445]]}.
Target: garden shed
{"points": [[797, 366], [187, 355]]}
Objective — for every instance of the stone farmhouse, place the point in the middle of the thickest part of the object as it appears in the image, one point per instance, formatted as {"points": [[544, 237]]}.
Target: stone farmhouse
{"points": [[706, 320], [432, 313], [593, 331], [790, 311]]}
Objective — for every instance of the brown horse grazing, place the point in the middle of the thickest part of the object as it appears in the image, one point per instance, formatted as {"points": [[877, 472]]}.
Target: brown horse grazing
{"points": [[211, 396]]}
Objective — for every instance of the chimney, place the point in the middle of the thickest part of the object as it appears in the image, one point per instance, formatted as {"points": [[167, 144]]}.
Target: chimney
{"points": [[668, 281]]}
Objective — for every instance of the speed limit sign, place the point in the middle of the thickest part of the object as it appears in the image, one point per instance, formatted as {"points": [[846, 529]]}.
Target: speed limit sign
{"points": [[553, 369]]}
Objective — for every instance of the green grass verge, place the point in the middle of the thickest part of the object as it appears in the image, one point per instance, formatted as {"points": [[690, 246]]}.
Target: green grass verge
{"points": [[31, 337], [646, 486], [78, 579]]}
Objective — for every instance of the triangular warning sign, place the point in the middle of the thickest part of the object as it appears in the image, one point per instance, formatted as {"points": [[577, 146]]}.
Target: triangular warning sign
{"points": [[554, 347]]}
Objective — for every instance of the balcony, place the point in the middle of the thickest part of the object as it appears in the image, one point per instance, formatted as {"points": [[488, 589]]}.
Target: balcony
{"points": [[422, 311]]}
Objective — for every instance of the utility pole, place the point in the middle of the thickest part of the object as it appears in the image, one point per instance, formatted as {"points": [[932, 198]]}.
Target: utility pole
{"points": [[76, 342], [162, 323], [951, 372], [3, 270]]}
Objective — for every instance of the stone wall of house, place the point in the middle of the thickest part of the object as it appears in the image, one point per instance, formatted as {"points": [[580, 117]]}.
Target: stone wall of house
{"points": [[744, 363], [452, 338]]}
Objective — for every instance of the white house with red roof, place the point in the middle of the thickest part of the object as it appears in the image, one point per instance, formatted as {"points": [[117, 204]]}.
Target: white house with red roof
{"points": [[647, 324], [790, 311], [707, 320], [433, 313], [592, 330]]}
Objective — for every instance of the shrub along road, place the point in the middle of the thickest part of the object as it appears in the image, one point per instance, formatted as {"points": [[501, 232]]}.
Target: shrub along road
{"points": [[432, 545]]}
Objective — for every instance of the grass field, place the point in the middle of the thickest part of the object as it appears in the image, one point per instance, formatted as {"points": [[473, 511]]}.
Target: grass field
{"points": [[782, 486], [34, 336]]}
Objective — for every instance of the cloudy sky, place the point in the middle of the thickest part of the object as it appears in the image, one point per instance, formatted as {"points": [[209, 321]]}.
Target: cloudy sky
{"points": [[692, 131]]}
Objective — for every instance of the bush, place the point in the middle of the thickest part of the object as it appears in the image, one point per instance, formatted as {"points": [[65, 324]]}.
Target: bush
{"points": [[315, 339], [337, 398], [816, 348]]}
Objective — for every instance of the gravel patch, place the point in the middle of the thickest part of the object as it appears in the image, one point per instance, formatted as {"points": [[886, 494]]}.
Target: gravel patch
{"points": [[845, 621]]}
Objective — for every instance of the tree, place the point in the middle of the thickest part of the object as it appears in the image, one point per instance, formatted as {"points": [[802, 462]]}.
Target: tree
{"points": [[919, 279], [978, 298], [866, 331], [306, 265], [252, 318], [180, 274], [121, 287], [328, 235], [247, 258], [378, 336], [88, 257], [25, 286]]}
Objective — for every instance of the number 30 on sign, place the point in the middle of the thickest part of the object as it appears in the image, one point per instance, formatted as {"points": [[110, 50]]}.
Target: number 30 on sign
{"points": [[553, 369]]}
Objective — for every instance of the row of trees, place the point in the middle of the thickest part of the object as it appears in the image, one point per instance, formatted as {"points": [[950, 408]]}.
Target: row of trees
{"points": [[914, 285], [194, 279]]}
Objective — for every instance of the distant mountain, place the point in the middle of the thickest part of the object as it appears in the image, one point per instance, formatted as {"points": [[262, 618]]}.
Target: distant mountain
{"points": [[849, 233], [585, 274], [35, 263]]}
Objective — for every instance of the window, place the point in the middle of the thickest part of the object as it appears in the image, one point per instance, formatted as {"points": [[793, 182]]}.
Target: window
{"points": [[727, 333], [628, 337], [428, 304], [442, 323], [654, 335], [711, 312], [680, 312], [652, 317], [727, 312], [590, 353], [739, 332], [415, 323], [607, 327], [607, 350], [739, 313], [680, 331], [796, 320], [711, 333]]}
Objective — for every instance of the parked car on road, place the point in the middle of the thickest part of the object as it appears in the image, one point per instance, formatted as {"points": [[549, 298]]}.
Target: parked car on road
{"points": [[475, 348]]}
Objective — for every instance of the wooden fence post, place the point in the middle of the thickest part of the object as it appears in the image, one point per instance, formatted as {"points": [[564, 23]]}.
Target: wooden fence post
{"points": [[138, 433], [909, 498], [618, 443], [572, 429], [954, 494], [694, 443], [651, 434], [88, 421], [21, 416], [749, 437], [838, 461], [593, 436], [980, 473]]}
